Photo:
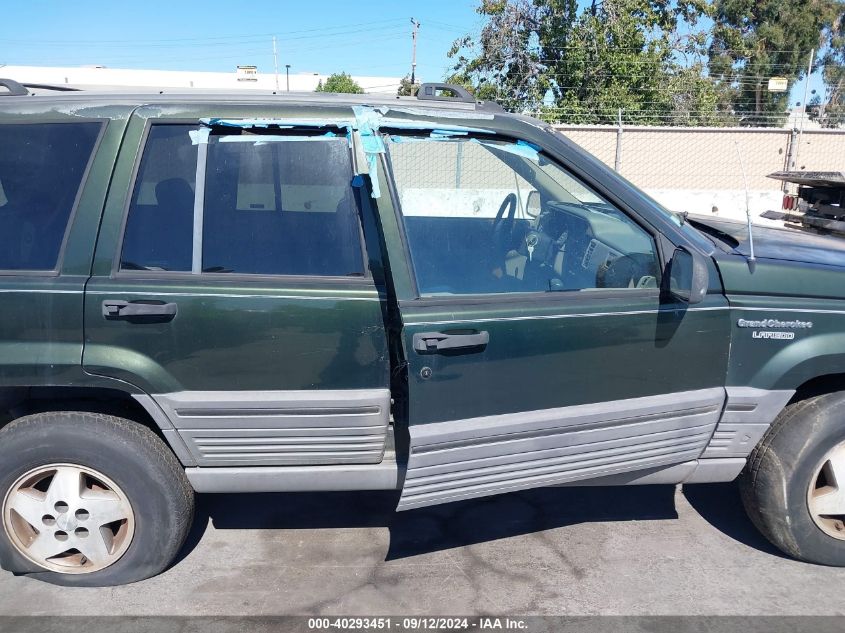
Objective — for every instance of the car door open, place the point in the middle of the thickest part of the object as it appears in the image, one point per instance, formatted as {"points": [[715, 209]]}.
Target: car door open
{"points": [[539, 348]]}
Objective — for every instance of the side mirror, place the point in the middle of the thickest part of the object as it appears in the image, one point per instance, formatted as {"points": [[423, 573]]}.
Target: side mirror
{"points": [[688, 278], [533, 206]]}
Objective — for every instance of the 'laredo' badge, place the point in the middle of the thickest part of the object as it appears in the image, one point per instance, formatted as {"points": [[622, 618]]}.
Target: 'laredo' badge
{"points": [[779, 336]]}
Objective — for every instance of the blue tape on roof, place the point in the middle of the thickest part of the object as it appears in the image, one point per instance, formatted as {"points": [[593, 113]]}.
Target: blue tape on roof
{"points": [[395, 138], [447, 133], [279, 123], [410, 124], [372, 163], [199, 136], [536, 148], [263, 139], [520, 148], [367, 118], [367, 121]]}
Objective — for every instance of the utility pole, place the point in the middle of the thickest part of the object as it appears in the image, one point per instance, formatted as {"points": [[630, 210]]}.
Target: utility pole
{"points": [[275, 62], [804, 106], [414, 51], [287, 76]]}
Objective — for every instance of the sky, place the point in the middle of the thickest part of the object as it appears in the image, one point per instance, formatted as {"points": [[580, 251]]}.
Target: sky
{"points": [[364, 38], [370, 37]]}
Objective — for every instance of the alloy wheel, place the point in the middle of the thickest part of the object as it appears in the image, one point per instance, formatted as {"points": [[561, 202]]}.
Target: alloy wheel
{"points": [[826, 496], [69, 519]]}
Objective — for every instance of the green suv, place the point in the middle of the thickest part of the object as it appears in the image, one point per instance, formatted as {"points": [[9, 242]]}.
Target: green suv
{"points": [[302, 292]]}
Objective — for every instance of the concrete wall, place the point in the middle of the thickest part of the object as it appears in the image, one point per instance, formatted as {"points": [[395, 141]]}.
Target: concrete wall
{"points": [[699, 170]]}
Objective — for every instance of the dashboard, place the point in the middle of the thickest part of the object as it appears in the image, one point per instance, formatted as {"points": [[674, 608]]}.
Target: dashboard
{"points": [[599, 247]]}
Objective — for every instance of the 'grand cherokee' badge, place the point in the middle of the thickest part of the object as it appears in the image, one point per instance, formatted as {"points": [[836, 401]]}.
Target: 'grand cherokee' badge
{"points": [[774, 324]]}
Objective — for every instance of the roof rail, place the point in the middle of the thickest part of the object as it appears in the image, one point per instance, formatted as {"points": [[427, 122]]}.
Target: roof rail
{"points": [[438, 92], [13, 88], [57, 88]]}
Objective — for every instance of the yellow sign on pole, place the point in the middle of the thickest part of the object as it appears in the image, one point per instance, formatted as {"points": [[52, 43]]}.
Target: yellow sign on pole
{"points": [[778, 84]]}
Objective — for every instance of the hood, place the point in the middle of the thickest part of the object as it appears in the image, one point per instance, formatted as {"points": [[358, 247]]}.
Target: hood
{"points": [[774, 242]]}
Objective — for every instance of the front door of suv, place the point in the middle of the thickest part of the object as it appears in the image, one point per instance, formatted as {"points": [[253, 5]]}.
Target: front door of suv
{"points": [[538, 349], [231, 290]]}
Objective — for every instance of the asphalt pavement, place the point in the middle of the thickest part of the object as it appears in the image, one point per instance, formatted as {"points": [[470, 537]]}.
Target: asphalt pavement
{"points": [[653, 550]]}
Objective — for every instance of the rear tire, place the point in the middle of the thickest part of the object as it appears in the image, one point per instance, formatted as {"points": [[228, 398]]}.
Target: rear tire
{"points": [[791, 470], [107, 488]]}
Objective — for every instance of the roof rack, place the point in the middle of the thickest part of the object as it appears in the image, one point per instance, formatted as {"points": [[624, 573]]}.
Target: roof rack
{"points": [[444, 92], [451, 93], [13, 88]]}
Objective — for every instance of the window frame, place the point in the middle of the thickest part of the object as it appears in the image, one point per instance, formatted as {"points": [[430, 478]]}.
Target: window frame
{"points": [[534, 296], [202, 276], [71, 219]]}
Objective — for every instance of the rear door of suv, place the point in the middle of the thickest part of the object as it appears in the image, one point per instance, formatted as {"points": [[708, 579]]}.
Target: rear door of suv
{"points": [[231, 287]]}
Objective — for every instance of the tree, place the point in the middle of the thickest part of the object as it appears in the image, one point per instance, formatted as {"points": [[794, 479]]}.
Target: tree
{"points": [[583, 63], [831, 111], [504, 63], [340, 82], [755, 40], [615, 55], [406, 88], [690, 62]]}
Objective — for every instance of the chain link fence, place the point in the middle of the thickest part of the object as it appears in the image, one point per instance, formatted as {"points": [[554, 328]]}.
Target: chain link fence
{"points": [[695, 169], [707, 170]]}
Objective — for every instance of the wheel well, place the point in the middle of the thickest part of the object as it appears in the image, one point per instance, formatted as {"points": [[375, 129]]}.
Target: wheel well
{"points": [[819, 385], [19, 401]]}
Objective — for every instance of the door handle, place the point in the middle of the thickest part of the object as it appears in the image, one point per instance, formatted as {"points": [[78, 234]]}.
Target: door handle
{"points": [[115, 309], [428, 342]]}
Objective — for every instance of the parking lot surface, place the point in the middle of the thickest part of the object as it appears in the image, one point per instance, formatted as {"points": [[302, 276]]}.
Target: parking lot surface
{"points": [[560, 551]]}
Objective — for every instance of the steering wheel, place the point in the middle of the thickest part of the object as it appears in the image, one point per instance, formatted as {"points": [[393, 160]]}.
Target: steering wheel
{"points": [[621, 272], [503, 226]]}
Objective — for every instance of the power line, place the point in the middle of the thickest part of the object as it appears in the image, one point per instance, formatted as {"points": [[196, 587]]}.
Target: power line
{"points": [[211, 44], [209, 38], [228, 55]]}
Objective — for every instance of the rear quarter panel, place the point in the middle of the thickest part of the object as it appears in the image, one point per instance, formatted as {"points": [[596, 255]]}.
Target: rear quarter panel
{"points": [[41, 323]]}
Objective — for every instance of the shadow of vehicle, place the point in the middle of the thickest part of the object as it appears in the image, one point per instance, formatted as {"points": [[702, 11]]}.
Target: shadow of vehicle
{"points": [[434, 528], [720, 505]]}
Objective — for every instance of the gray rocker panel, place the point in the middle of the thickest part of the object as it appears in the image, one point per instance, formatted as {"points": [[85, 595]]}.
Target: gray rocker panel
{"points": [[489, 455], [387, 475], [278, 428], [749, 413], [697, 471]]}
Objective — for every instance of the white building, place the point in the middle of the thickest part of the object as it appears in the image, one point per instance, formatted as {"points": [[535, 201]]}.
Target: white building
{"points": [[248, 77]]}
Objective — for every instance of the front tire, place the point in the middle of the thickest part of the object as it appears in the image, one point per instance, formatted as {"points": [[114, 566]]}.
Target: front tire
{"points": [[90, 499], [793, 487]]}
